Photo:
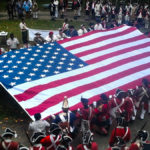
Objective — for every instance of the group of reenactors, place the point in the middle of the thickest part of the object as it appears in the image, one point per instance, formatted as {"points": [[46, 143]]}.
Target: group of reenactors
{"points": [[60, 130]]}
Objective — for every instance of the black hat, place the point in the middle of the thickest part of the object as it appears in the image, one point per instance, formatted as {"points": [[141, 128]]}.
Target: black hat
{"points": [[37, 33], [84, 100], [9, 132], [22, 147], [143, 135], [104, 97], [61, 147], [145, 82], [55, 128], [120, 93], [36, 137], [67, 139]]}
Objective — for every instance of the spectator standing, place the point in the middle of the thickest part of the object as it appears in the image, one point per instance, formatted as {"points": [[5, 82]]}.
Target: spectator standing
{"points": [[62, 5], [52, 9], [56, 4], [24, 31], [9, 8], [12, 42], [38, 39], [97, 10], [19, 9], [35, 9], [27, 5]]}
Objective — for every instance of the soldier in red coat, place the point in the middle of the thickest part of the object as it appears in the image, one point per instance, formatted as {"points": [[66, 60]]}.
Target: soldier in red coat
{"points": [[7, 143], [122, 104], [87, 142], [122, 130], [53, 140], [102, 115], [35, 139], [85, 114]]}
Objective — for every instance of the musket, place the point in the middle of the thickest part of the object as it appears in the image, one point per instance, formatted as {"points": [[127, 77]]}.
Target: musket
{"points": [[143, 126], [27, 135]]}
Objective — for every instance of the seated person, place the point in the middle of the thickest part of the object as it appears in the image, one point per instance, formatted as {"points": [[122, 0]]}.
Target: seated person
{"points": [[72, 32], [61, 35], [51, 37], [38, 39], [82, 30], [12, 42]]}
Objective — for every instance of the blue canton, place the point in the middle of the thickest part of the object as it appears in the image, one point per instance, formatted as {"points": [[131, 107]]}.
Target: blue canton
{"points": [[25, 65]]}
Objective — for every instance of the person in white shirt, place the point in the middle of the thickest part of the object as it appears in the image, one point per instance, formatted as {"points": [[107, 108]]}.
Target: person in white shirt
{"points": [[51, 37], [82, 30], [24, 31], [12, 42], [61, 35], [56, 3], [98, 26], [38, 125]]}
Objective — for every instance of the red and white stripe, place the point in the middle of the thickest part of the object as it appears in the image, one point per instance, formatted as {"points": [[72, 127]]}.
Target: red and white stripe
{"points": [[117, 58]]}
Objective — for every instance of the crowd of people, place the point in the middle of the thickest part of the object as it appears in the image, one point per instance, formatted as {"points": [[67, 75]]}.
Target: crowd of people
{"points": [[119, 110]]}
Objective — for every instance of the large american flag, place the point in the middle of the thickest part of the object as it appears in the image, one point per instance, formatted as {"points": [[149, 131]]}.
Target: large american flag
{"points": [[96, 62]]}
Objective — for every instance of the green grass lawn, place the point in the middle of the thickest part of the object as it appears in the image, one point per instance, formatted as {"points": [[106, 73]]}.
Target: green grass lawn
{"points": [[13, 25]]}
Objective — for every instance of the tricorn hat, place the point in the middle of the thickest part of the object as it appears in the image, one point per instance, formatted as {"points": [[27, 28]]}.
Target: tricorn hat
{"points": [[37, 33], [9, 132], [84, 100], [55, 128], [67, 139], [22, 147], [119, 93], [37, 136], [65, 103]]}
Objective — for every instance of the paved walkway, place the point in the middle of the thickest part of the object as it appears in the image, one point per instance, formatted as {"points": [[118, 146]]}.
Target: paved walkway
{"points": [[45, 15]]}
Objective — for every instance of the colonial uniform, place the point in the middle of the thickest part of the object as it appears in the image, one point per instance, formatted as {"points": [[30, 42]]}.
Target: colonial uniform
{"points": [[53, 140], [7, 143], [36, 137], [87, 142], [102, 115], [66, 119], [94, 146]]}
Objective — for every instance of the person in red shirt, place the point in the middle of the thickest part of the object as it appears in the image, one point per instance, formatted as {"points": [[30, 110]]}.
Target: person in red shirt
{"points": [[102, 117], [35, 139], [122, 131], [53, 140], [7, 143], [87, 142]]}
